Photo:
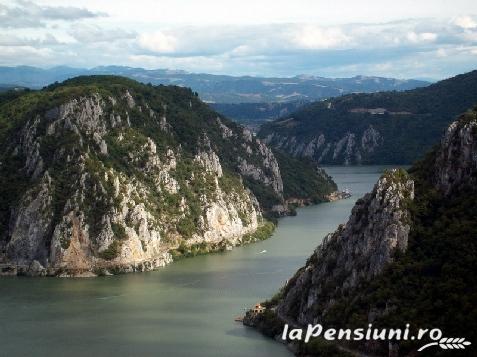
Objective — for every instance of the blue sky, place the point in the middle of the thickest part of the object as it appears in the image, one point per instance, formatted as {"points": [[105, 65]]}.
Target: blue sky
{"points": [[430, 39]]}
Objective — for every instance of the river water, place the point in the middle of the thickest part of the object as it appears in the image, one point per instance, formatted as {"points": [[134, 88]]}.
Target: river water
{"points": [[185, 309]]}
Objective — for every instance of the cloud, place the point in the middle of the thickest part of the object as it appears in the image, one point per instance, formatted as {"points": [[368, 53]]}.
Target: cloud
{"points": [[159, 42], [29, 54], [290, 39], [26, 14], [466, 22], [194, 64], [88, 33], [287, 49], [399, 48], [316, 37], [8, 39], [421, 37]]}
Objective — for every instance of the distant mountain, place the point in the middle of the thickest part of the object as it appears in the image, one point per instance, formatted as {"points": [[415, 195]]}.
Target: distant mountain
{"points": [[219, 88], [253, 115], [10, 87], [376, 128]]}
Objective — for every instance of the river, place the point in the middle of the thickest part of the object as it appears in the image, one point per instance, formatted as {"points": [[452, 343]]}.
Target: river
{"points": [[184, 309]]}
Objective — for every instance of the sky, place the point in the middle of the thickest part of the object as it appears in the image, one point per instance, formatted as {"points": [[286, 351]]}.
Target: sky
{"points": [[426, 39]]}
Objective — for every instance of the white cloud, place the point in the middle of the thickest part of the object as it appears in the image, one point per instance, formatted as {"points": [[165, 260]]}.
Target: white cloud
{"points": [[317, 37], [421, 37], [465, 22], [194, 64], [272, 37], [29, 54], [11, 39], [25, 14], [248, 12], [158, 41], [242, 50], [89, 33], [441, 52]]}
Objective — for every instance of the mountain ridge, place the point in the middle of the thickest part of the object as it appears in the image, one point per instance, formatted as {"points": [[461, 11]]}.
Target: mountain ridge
{"points": [[373, 128], [218, 88]]}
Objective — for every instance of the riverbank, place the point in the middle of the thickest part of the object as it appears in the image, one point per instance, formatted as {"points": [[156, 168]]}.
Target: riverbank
{"points": [[185, 308]]}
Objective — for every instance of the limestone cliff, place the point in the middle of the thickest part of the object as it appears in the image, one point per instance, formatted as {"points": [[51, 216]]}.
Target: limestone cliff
{"points": [[103, 175], [357, 251], [456, 159], [406, 255], [349, 149]]}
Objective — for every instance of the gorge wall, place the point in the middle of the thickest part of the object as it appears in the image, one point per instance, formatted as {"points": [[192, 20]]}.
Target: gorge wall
{"points": [[406, 255], [103, 175]]}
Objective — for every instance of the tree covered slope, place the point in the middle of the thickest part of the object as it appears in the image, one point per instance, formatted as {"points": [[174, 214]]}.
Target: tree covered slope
{"points": [[377, 128]]}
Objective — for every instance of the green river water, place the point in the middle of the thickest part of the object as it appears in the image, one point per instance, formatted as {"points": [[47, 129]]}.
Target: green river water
{"points": [[185, 309]]}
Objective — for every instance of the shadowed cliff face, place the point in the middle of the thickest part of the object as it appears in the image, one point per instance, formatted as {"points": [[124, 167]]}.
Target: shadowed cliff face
{"points": [[456, 159], [106, 175], [406, 255], [358, 250]]}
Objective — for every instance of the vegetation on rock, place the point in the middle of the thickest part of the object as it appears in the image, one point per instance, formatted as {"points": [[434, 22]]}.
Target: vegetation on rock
{"points": [[105, 170]]}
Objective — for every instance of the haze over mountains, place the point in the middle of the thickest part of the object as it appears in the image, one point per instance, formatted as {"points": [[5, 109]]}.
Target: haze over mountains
{"points": [[218, 88]]}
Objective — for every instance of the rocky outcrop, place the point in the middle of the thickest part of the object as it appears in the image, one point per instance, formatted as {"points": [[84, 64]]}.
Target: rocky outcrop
{"points": [[456, 158], [114, 184], [357, 251], [267, 171], [352, 148]]}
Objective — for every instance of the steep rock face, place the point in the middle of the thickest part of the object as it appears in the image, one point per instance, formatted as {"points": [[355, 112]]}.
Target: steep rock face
{"points": [[270, 174], [357, 251], [428, 217], [31, 223], [456, 159], [111, 181], [349, 149]]}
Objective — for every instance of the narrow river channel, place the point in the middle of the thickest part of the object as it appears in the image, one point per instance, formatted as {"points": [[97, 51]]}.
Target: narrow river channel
{"points": [[185, 309]]}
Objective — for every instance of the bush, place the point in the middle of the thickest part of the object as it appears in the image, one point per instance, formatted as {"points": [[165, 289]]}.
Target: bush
{"points": [[112, 251], [264, 231]]}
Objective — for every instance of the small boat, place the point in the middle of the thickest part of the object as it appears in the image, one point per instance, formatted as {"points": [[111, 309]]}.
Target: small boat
{"points": [[239, 319], [263, 251]]}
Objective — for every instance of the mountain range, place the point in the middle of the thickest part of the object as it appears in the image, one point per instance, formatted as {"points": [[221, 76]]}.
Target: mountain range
{"points": [[218, 88]]}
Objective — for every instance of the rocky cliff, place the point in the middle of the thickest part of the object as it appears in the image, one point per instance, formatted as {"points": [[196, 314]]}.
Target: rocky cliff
{"points": [[349, 149], [102, 175], [406, 255], [456, 160], [357, 251]]}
